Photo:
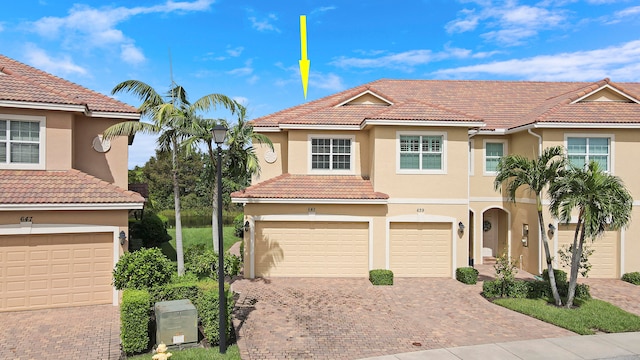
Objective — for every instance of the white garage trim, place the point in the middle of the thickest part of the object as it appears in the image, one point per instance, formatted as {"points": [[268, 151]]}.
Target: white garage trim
{"points": [[38, 229], [310, 217], [417, 218]]}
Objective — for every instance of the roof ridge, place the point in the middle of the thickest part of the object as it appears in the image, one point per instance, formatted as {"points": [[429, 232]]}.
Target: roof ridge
{"points": [[578, 93]]}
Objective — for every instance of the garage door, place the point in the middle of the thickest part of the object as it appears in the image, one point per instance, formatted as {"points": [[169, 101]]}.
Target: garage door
{"points": [[46, 271], [604, 260], [316, 249], [420, 249]]}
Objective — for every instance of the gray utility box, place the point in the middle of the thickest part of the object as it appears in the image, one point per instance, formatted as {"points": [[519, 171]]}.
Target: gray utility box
{"points": [[176, 322]]}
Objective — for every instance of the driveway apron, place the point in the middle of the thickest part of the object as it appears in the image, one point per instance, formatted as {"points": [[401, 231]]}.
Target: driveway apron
{"points": [[321, 318], [85, 332]]}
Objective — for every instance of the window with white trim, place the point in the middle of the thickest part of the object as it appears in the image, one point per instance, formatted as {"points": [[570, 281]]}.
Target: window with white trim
{"points": [[493, 152], [421, 152], [331, 154], [582, 150], [21, 142]]}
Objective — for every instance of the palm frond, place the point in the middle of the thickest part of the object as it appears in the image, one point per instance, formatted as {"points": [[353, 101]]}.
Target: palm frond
{"points": [[129, 128]]}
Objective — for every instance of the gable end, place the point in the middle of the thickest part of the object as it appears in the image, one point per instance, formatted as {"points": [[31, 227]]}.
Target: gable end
{"points": [[607, 93], [367, 97]]}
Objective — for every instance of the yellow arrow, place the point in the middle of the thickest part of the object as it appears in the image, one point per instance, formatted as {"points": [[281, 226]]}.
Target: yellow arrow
{"points": [[304, 62]]}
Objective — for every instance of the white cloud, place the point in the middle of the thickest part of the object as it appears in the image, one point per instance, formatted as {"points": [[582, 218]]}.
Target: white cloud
{"points": [[632, 11], [87, 27], [330, 81], [406, 60], [235, 52], [253, 80], [241, 100], [129, 53], [507, 22], [323, 9], [618, 62], [1, 27], [246, 70], [62, 65], [264, 24]]}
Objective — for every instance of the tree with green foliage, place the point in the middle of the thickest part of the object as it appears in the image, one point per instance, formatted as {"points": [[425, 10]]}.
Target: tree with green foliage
{"points": [[516, 171], [171, 118], [602, 201]]}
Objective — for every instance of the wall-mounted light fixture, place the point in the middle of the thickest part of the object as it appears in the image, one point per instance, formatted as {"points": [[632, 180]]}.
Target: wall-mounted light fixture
{"points": [[525, 235], [246, 226], [552, 229], [460, 227], [122, 237]]}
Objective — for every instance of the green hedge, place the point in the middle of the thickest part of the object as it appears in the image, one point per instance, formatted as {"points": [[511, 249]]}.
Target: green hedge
{"points": [[381, 277], [632, 277], [204, 262], [467, 275], [196, 218], [142, 269], [148, 232], [560, 275], [207, 305], [134, 320], [530, 289]]}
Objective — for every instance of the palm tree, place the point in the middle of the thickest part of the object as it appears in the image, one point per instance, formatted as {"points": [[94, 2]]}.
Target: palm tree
{"points": [[171, 118], [516, 171], [241, 162], [241, 152], [602, 201]]}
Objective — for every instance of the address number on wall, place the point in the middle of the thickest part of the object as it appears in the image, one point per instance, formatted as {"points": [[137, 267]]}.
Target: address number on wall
{"points": [[26, 218]]}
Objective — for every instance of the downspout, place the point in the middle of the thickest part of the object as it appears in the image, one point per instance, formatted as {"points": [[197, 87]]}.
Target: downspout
{"points": [[474, 133], [539, 234]]}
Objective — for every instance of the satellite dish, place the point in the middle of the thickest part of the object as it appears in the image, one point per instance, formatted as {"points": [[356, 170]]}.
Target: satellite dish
{"points": [[101, 145]]}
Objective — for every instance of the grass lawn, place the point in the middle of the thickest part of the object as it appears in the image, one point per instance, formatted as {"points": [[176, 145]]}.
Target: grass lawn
{"points": [[193, 236], [591, 316], [197, 353]]}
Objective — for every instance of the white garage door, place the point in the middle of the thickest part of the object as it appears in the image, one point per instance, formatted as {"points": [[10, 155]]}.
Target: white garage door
{"points": [[605, 260], [315, 249], [57, 270], [420, 249]]}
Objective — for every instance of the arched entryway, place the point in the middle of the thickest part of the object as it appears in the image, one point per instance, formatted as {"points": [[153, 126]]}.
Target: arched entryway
{"points": [[495, 234]]}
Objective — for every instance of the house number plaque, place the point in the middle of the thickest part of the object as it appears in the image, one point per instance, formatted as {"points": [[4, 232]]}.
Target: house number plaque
{"points": [[26, 219]]}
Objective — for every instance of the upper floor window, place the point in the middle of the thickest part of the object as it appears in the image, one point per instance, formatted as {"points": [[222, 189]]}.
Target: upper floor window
{"points": [[331, 154], [421, 152], [21, 142], [582, 150], [493, 152]]}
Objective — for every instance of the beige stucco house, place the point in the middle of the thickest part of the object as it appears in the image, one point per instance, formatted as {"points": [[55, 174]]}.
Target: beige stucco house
{"points": [[398, 174], [63, 197]]}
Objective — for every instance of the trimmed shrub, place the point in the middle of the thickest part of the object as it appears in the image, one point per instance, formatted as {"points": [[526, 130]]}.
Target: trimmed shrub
{"points": [[204, 263], [181, 289], [238, 226], [207, 305], [151, 230], [142, 270], [134, 320], [632, 277], [467, 275], [560, 275], [381, 277], [530, 289]]}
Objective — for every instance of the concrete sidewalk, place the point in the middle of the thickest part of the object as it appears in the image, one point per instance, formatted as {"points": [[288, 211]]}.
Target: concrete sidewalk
{"points": [[621, 346]]}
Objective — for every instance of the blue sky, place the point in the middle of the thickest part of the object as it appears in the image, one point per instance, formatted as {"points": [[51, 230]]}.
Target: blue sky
{"points": [[249, 50]]}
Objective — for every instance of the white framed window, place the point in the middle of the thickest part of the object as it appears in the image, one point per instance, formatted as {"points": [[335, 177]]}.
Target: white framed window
{"points": [[421, 152], [331, 154], [22, 141], [494, 150], [583, 148]]}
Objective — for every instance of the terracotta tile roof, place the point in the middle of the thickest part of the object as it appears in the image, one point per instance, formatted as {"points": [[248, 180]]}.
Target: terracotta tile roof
{"points": [[60, 187], [287, 186], [23, 83], [500, 104]]}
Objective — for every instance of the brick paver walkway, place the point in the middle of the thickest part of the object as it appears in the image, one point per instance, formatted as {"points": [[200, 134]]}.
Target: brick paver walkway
{"points": [[86, 332], [320, 318]]}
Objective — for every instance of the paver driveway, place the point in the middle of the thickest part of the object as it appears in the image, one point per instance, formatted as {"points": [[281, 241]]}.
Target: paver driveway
{"points": [[85, 332], [320, 318]]}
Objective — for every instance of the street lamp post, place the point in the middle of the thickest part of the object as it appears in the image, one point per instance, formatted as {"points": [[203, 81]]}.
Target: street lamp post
{"points": [[219, 133]]}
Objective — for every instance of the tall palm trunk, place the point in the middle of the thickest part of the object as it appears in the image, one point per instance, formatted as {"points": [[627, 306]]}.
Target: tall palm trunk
{"points": [[547, 253], [214, 200], [576, 255], [176, 200]]}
